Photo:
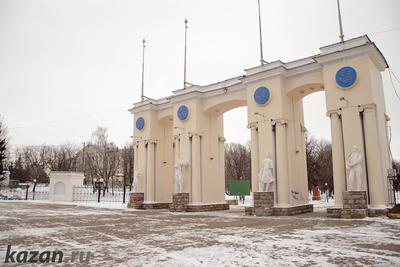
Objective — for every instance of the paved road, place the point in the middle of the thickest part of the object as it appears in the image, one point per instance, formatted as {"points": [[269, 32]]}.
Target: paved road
{"points": [[161, 238]]}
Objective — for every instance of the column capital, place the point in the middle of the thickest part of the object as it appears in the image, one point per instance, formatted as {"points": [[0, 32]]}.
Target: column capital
{"points": [[367, 107], [280, 122], [333, 112], [387, 117], [252, 125], [196, 134], [151, 141]]}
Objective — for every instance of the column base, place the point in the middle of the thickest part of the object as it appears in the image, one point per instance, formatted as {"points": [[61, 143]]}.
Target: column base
{"points": [[263, 203], [264, 206], [355, 200], [155, 205], [354, 206], [179, 203], [280, 211], [135, 200], [207, 207]]}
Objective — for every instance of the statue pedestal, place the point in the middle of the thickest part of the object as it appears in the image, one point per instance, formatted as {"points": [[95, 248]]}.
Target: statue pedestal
{"points": [[263, 204], [354, 205], [180, 202], [135, 200]]}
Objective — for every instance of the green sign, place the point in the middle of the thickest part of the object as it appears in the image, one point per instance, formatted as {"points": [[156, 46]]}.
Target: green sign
{"points": [[13, 183], [239, 188]]}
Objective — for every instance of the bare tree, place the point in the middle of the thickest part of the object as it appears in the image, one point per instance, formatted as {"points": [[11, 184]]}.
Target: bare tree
{"points": [[3, 147], [102, 157], [396, 182], [319, 163], [237, 162], [127, 164], [32, 161]]}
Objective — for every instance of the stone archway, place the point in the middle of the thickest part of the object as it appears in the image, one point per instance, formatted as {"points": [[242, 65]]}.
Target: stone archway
{"points": [[349, 73]]}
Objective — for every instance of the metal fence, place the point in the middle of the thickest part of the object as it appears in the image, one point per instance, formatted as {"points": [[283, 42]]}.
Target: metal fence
{"points": [[41, 192], [88, 194]]}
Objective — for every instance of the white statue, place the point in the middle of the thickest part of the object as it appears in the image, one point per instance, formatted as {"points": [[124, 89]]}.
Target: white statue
{"points": [[354, 167], [135, 184], [180, 164], [266, 174]]}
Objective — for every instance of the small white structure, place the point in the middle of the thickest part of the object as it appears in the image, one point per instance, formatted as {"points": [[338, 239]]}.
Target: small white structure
{"points": [[62, 185]]}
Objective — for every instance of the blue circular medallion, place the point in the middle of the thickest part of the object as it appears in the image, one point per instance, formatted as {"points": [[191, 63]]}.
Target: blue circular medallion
{"points": [[140, 123], [262, 95], [346, 76], [183, 112]]}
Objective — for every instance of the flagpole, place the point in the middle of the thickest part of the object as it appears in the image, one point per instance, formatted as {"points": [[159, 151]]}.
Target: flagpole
{"points": [[184, 60], [144, 45], [262, 61], [341, 36]]}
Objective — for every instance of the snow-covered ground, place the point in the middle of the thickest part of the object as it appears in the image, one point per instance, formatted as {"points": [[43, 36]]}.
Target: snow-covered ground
{"points": [[125, 237]]}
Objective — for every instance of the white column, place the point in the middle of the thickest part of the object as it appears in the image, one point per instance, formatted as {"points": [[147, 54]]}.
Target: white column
{"points": [[254, 157], [150, 175], [135, 155], [282, 164], [196, 165], [265, 143], [184, 154], [353, 136], [376, 174], [338, 161], [142, 165]]}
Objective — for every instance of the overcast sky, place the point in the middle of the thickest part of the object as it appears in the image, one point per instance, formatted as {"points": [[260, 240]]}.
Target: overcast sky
{"points": [[68, 66]]}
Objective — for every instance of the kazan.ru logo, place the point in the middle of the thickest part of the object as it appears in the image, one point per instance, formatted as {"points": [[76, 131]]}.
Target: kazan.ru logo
{"points": [[56, 256]]}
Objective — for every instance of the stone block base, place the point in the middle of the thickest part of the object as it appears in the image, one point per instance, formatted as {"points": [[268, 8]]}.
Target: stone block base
{"points": [[207, 207], [354, 213], [334, 212], [355, 205], [135, 200], [263, 199], [355, 200], [263, 204], [155, 205], [180, 202], [394, 215], [293, 210], [279, 211]]}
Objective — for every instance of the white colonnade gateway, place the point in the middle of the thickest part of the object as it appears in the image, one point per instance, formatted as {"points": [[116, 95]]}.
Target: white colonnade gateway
{"points": [[188, 127]]}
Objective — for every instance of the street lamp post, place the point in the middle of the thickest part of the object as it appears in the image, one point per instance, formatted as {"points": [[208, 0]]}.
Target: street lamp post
{"points": [[98, 183], [27, 188], [34, 188], [326, 192], [124, 193]]}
